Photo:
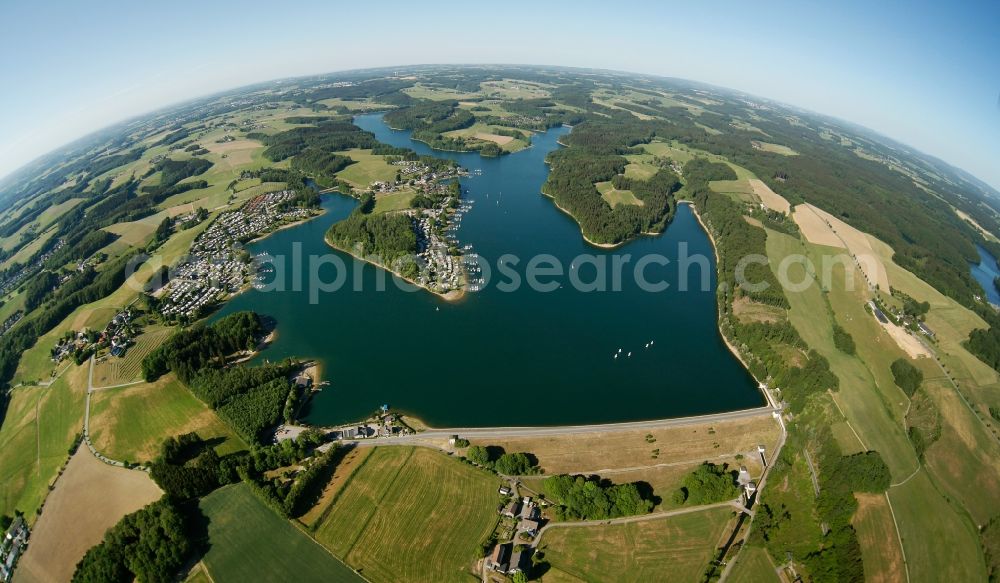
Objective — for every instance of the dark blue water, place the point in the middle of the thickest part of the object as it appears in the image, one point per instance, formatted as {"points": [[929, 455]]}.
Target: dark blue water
{"points": [[985, 272], [518, 358]]}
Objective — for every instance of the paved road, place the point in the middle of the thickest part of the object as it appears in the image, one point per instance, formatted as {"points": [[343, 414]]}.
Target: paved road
{"points": [[499, 432]]}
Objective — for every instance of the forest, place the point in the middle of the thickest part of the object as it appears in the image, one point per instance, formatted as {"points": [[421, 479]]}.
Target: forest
{"points": [[149, 545], [324, 137], [251, 399], [595, 154], [190, 350], [387, 238]]}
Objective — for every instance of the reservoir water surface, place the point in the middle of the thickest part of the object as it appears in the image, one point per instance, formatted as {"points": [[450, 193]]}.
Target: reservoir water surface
{"points": [[508, 358]]}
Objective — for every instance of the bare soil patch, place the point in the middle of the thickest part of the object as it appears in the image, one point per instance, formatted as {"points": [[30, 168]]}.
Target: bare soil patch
{"points": [[499, 140], [771, 199], [822, 228], [89, 498]]}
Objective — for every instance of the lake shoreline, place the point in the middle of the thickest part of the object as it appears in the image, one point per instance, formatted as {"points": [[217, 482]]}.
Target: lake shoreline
{"points": [[449, 296], [729, 344]]}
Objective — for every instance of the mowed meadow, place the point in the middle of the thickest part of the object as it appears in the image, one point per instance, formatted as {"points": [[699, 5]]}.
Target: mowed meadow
{"points": [[247, 541], [411, 514], [676, 548]]}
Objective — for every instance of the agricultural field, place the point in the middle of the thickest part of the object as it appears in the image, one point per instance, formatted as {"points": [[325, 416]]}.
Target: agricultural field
{"points": [[774, 148], [130, 423], [367, 168], [676, 548], [754, 566], [247, 541], [771, 199], [411, 514], [953, 553], [353, 458], [39, 427], [113, 370], [480, 131], [514, 89], [24, 253], [421, 91], [393, 201], [873, 522], [615, 197], [91, 496]]}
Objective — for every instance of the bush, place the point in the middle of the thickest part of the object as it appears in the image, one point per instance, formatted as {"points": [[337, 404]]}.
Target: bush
{"points": [[843, 340], [907, 376], [709, 483]]}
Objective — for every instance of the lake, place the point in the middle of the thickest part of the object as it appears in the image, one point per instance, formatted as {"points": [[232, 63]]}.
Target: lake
{"points": [[496, 357], [985, 272]]}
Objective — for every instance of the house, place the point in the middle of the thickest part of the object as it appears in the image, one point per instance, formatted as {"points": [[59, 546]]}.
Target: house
{"points": [[528, 511], [513, 509], [519, 561], [744, 475], [530, 526], [11, 547], [499, 559], [504, 491]]}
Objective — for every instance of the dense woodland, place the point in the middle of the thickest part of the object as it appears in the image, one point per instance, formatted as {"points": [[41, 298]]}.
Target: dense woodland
{"points": [[386, 238], [149, 545], [252, 400], [596, 155]]}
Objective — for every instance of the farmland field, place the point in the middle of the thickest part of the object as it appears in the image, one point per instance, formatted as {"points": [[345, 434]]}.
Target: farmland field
{"points": [[754, 566], [33, 448], [130, 423], [615, 197], [393, 201], [775, 148], [677, 548], [115, 371], [411, 514], [883, 561], [367, 168], [249, 542], [91, 496]]}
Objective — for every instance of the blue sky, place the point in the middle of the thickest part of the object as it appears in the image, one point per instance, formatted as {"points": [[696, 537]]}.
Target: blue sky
{"points": [[925, 73]]}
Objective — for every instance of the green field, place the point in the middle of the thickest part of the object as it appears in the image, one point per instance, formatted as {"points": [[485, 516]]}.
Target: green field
{"points": [[615, 197], [952, 553], [367, 168], [24, 253], [484, 132], [677, 548], [393, 201], [868, 409], [33, 449], [411, 514], [775, 148], [249, 542], [420, 91], [753, 566], [130, 423]]}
